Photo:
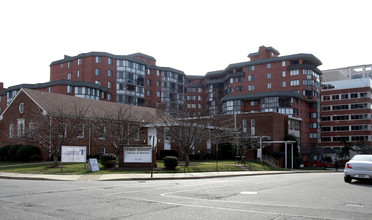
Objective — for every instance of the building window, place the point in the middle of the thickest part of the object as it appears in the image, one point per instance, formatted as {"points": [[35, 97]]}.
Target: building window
{"points": [[251, 68], [340, 117], [283, 74], [69, 89], [101, 151], [79, 61], [69, 75], [98, 72], [239, 88], [250, 77], [80, 131], [101, 132], [109, 85], [269, 85], [283, 63], [109, 97], [344, 96], [363, 95], [239, 79], [253, 127], [269, 75], [109, 73], [326, 108], [21, 108], [158, 94], [295, 82], [354, 95], [326, 97], [109, 60], [359, 106], [335, 97], [359, 138], [269, 65], [61, 130], [284, 84], [359, 117], [148, 72], [250, 87], [98, 59], [254, 103], [294, 72], [78, 73], [68, 65], [149, 82], [11, 130], [97, 82]]}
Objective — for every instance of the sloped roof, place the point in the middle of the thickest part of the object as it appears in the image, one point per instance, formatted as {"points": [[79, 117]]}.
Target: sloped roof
{"points": [[53, 103]]}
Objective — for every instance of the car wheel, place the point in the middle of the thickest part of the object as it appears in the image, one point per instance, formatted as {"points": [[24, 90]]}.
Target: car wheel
{"points": [[347, 179]]}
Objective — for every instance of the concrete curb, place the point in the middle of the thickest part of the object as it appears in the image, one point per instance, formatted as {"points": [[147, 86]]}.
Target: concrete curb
{"points": [[134, 177]]}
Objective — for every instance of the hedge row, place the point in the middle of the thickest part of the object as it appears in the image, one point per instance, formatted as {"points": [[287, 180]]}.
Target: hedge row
{"points": [[19, 153]]}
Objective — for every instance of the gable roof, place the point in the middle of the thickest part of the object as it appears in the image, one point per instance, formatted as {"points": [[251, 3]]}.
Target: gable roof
{"points": [[54, 103]]}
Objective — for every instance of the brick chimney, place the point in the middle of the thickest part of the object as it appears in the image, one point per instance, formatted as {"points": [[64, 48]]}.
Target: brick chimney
{"points": [[264, 53]]}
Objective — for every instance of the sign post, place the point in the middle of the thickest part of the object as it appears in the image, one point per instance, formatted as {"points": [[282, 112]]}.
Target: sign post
{"points": [[153, 142]]}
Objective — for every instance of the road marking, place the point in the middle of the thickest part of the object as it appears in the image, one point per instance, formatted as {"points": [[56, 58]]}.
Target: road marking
{"points": [[230, 209], [354, 205], [248, 193]]}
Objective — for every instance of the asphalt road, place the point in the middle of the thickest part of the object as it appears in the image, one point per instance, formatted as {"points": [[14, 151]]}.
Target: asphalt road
{"points": [[284, 196]]}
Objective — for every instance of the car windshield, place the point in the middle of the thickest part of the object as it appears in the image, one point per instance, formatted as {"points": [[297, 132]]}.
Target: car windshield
{"points": [[362, 158]]}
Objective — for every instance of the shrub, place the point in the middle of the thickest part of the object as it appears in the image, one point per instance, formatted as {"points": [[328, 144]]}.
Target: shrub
{"points": [[12, 152], [170, 162], [4, 152], [108, 160], [28, 152]]}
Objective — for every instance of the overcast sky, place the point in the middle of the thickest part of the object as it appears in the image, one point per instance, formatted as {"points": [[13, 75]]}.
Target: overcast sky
{"points": [[193, 36]]}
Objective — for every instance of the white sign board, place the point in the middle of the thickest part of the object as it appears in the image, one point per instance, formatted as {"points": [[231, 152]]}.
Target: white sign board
{"points": [[74, 154], [141, 154], [93, 164], [258, 153]]}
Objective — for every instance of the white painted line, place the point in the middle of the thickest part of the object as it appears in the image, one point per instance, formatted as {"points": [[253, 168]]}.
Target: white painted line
{"points": [[248, 193]]}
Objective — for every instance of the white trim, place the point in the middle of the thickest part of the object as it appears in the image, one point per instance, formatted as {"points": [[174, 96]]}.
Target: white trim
{"points": [[2, 115]]}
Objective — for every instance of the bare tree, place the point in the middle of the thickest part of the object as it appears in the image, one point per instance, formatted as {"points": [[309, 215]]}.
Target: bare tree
{"points": [[119, 126], [55, 129], [188, 131]]}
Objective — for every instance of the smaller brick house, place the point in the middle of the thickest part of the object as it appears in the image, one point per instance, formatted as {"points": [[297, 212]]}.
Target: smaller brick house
{"points": [[35, 115]]}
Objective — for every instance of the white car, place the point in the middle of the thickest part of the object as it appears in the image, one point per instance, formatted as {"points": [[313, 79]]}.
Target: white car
{"points": [[359, 167]]}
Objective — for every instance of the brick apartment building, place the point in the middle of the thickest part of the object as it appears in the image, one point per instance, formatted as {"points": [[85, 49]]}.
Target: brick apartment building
{"points": [[130, 79], [346, 109], [289, 85]]}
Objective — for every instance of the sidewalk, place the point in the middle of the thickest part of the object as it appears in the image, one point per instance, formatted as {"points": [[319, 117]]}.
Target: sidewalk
{"points": [[123, 177]]}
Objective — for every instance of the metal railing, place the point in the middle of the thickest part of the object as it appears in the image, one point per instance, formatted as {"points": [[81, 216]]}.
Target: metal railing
{"points": [[270, 160]]}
